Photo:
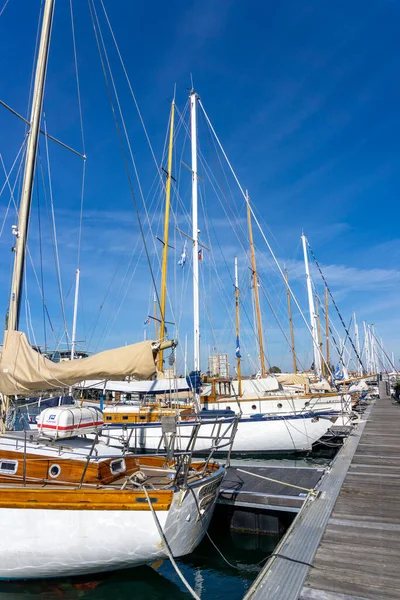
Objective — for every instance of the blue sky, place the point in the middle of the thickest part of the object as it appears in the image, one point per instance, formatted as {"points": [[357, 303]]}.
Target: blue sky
{"points": [[304, 97]]}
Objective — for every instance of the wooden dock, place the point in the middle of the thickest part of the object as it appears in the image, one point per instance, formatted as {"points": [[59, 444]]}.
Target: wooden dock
{"points": [[246, 491], [350, 534]]}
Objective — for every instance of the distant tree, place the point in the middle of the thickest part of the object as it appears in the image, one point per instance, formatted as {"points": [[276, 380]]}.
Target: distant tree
{"points": [[275, 370]]}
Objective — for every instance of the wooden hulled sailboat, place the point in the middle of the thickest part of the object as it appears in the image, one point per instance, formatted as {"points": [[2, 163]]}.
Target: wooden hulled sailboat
{"points": [[69, 504]]}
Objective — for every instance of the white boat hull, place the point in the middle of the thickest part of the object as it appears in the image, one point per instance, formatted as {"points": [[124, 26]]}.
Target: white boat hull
{"points": [[38, 543], [273, 434]]}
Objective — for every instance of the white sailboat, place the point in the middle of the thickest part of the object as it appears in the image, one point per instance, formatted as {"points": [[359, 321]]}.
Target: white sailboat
{"points": [[72, 505], [279, 421]]}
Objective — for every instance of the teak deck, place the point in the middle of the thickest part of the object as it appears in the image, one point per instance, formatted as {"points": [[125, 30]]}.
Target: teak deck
{"points": [[354, 548]]}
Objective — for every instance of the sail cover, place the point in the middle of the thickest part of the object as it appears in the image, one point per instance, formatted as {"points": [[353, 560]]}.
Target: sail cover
{"points": [[297, 379], [23, 370]]}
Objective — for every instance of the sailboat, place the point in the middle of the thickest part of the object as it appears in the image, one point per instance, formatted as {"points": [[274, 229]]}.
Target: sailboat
{"points": [[280, 423], [70, 504]]}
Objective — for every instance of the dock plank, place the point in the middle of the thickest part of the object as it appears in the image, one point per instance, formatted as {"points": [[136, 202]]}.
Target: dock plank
{"points": [[351, 534], [360, 556]]}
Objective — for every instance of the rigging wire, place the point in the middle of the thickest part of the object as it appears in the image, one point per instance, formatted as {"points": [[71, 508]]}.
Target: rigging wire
{"points": [[11, 190], [78, 89], [131, 91], [7, 181], [41, 259], [100, 43], [4, 7], [334, 303], [54, 233], [260, 229]]}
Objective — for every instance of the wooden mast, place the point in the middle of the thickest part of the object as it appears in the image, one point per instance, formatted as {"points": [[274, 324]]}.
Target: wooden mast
{"points": [[21, 231], [255, 289], [155, 318], [237, 352], [320, 344], [166, 234], [328, 354], [291, 322]]}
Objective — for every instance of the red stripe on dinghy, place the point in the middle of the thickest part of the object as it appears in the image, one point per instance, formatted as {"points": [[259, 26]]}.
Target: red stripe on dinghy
{"points": [[46, 426]]}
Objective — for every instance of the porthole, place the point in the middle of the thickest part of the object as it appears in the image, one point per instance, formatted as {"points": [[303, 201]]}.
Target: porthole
{"points": [[108, 418], [228, 408], [254, 407], [125, 417], [9, 467], [279, 405], [54, 471]]}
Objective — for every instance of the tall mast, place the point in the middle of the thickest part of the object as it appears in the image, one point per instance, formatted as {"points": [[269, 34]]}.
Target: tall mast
{"points": [[155, 316], [328, 352], [289, 304], [195, 232], [357, 340], [73, 337], [29, 171], [382, 355], [166, 233], [373, 348], [313, 321], [366, 347], [255, 288], [319, 333], [237, 292]]}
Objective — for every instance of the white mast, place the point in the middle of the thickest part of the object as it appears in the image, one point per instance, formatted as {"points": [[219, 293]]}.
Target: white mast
{"points": [[382, 366], [357, 340], [393, 366], [73, 338], [342, 349], [313, 317], [366, 346], [195, 232], [21, 232], [373, 349], [185, 356]]}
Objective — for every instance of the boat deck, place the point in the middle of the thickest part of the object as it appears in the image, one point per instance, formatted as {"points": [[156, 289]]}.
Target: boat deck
{"points": [[350, 535]]}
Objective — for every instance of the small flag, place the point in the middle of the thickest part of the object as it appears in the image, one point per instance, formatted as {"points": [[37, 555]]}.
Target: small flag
{"points": [[147, 321], [182, 260], [238, 355], [201, 254], [338, 373]]}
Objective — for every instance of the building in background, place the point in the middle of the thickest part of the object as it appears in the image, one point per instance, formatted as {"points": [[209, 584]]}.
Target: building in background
{"points": [[218, 365]]}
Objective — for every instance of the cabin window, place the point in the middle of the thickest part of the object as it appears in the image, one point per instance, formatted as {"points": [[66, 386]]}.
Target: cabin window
{"points": [[117, 466], [9, 467], [54, 471], [143, 417], [108, 418], [125, 417]]}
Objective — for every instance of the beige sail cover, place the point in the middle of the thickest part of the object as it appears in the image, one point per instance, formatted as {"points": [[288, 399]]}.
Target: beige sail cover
{"points": [[292, 379], [23, 370]]}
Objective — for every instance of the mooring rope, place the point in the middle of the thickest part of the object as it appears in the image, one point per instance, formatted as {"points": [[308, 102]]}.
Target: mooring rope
{"points": [[309, 491]]}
